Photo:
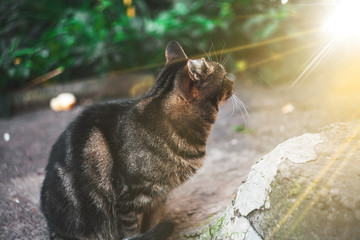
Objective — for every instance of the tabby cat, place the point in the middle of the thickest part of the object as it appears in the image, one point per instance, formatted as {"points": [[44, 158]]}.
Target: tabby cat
{"points": [[110, 171]]}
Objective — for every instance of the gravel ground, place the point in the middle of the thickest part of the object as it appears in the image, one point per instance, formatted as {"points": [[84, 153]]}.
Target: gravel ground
{"points": [[26, 139]]}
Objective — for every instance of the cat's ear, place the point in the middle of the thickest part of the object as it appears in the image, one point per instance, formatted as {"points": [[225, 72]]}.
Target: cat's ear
{"points": [[198, 68], [174, 52]]}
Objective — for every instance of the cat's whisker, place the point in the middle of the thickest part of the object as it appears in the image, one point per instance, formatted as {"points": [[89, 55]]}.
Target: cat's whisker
{"points": [[235, 102], [233, 107], [226, 60], [214, 51], [241, 107], [207, 55], [222, 51], [238, 106]]}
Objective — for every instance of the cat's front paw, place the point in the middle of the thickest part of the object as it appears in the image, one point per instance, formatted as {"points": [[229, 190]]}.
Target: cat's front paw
{"points": [[163, 230]]}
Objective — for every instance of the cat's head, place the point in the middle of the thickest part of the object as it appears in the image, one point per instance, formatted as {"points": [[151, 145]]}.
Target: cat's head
{"points": [[199, 80]]}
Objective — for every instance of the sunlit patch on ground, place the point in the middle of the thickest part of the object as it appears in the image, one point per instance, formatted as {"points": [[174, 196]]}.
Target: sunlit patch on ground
{"points": [[344, 88], [349, 84]]}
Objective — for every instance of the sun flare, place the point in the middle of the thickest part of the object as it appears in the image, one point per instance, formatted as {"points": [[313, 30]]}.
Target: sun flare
{"points": [[344, 21]]}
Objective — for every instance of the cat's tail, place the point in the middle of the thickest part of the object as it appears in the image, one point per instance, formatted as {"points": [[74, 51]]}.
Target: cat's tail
{"points": [[162, 231]]}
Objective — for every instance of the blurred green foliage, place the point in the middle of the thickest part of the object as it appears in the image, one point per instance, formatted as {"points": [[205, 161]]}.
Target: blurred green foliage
{"points": [[243, 129], [87, 37]]}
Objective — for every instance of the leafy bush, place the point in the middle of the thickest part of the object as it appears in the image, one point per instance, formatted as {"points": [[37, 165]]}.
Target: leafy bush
{"points": [[88, 37]]}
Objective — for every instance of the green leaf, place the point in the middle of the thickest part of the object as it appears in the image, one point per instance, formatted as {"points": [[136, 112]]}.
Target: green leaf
{"points": [[25, 51], [243, 129], [239, 128]]}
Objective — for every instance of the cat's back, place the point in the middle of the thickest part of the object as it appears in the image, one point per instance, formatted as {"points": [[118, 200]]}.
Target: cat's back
{"points": [[98, 119], [104, 115], [80, 165]]}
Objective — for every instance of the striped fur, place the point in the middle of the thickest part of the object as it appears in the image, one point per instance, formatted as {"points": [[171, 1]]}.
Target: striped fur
{"points": [[110, 172]]}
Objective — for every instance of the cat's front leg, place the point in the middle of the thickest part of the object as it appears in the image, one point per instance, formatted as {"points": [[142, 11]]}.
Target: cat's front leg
{"points": [[128, 222]]}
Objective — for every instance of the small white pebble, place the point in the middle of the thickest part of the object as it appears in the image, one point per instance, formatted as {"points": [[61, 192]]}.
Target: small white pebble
{"points": [[6, 137], [288, 108], [63, 102]]}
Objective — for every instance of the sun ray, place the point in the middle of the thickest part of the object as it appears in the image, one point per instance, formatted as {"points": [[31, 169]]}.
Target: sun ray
{"points": [[316, 52], [312, 185], [265, 42], [283, 54], [308, 4], [296, 14], [314, 63], [326, 185], [225, 51], [322, 59]]}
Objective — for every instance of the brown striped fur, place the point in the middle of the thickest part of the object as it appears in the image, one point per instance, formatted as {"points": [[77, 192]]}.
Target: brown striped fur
{"points": [[110, 172]]}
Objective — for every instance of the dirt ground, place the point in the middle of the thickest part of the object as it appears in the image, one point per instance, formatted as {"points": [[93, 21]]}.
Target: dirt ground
{"points": [[26, 139]]}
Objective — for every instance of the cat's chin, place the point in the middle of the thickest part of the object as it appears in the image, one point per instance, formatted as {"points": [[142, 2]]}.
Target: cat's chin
{"points": [[227, 95], [224, 99]]}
